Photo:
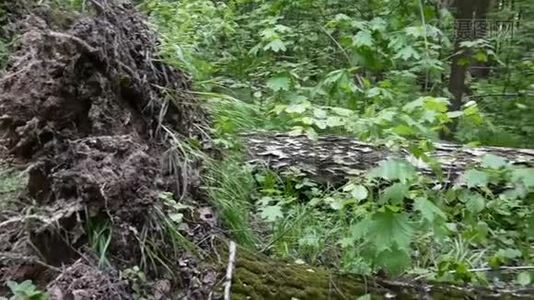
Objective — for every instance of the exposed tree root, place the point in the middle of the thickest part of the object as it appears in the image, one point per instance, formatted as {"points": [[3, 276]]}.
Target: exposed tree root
{"points": [[84, 106]]}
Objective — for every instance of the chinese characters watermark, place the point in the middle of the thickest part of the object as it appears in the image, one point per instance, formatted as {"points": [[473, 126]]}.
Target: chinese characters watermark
{"points": [[472, 29]]}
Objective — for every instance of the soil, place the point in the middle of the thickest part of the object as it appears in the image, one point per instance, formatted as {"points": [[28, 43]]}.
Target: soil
{"points": [[87, 107]]}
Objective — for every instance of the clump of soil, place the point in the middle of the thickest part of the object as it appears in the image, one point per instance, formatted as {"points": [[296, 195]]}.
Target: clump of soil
{"points": [[88, 107], [84, 281]]}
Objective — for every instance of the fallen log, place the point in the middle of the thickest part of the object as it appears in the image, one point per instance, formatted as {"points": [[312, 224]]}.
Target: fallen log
{"points": [[332, 159], [257, 276]]}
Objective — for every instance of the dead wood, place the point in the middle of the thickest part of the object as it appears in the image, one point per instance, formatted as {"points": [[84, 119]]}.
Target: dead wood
{"points": [[333, 159]]}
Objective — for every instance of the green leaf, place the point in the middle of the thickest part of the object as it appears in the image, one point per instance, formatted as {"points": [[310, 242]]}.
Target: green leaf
{"points": [[394, 261], [295, 98], [26, 290], [404, 130], [428, 210], [493, 161], [282, 28], [388, 230], [475, 178], [475, 203], [364, 297], [406, 53], [359, 192], [377, 24], [269, 33], [413, 105], [438, 104], [311, 239], [346, 242], [307, 120], [334, 121], [395, 193], [455, 114], [279, 83], [271, 213], [508, 253], [524, 278], [311, 133], [504, 256], [360, 229], [319, 113], [463, 61], [393, 169], [275, 45], [177, 218], [363, 38], [518, 192], [342, 111], [321, 124], [335, 203], [415, 31], [373, 92], [480, 56], [23, 287], [265, 201], [297, 108], [525, 176]]}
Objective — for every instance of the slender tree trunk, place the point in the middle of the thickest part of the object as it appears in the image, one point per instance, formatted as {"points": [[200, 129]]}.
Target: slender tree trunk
{"points": [[466, 12]]}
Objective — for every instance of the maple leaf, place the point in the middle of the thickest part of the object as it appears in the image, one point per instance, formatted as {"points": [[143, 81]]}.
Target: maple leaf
{"points": [[392, 169], [363, 38], [271, 213], [428, 210], [475, 178], [279, 83], [407, 52], [388, 230], [275, 45], [493, 161]]}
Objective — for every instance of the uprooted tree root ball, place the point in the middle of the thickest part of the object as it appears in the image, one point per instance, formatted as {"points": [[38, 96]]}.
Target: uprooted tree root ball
{"points": [[89, 110]]}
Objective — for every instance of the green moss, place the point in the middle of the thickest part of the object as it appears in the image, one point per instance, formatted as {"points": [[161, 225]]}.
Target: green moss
{"points": [[260, 277]]}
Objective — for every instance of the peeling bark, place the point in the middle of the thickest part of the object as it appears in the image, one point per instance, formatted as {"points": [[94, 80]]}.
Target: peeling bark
{"points": [[332, 159]]}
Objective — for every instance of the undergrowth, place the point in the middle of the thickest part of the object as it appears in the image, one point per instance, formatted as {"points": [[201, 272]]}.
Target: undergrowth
{"points": [[377, 74]]}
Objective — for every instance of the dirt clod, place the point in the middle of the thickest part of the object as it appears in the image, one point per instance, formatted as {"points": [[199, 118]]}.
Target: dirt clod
{"points": [[82, 281]]}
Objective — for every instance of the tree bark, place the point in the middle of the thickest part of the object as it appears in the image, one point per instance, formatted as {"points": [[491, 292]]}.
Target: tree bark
{"points": [[259, 277], [332, 159]]}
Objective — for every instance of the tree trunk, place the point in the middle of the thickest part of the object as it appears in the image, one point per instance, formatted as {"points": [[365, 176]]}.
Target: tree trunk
{"points": [[259, 277], [332, 159], [467, 11]]}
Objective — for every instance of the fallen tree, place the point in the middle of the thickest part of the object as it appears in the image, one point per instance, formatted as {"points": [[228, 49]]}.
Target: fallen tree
{"points": [[332, 159], [260, 277]]}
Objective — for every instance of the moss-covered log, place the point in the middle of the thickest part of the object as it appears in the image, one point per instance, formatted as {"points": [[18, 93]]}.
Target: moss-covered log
{"points": [[260, 277], [332, 159]]}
